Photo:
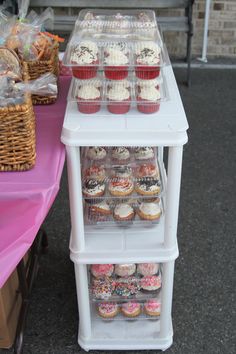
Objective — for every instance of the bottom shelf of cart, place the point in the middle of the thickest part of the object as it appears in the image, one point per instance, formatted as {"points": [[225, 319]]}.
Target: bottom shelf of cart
{"points": [[125, 335]]}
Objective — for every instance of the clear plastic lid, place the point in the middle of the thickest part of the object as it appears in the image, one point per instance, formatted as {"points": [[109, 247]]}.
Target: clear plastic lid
{"points": [[116, 22]]}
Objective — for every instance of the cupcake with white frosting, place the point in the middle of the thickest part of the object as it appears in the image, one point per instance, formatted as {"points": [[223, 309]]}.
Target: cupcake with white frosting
{"points": [[118, 96], [116, 60], [123, 212], [89, 97], [149, 211], [85, 58], [148, 99], [147, 54]]}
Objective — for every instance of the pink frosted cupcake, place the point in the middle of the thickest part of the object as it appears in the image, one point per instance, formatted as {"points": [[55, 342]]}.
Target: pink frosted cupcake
{"points": [[84, 56], [108, 309], [89, 98], [150, 283], [152, 307], [116, 61], [102, 270], [118, 96], [148, 268], [147, 55], [131, 309]]}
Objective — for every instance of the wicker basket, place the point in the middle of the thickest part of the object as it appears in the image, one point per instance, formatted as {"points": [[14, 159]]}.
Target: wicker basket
{"points": [[34, 69], [17, 137]]}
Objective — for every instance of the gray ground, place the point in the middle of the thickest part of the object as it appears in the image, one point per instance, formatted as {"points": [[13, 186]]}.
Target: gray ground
{"points": [[204, 302]]}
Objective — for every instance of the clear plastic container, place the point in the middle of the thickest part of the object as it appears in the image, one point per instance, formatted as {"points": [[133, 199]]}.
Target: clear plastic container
{"points": [[118, 181], [103, 96], [115, 43], [130, 285]]}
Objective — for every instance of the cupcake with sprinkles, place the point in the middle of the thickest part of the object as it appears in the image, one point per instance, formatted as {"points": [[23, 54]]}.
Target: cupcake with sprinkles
{"points": [[131, 309], [148, 186], [108, 309], [152, 307], [89, 97], [124, 270], [150, 283], [148, 268], [127, 286], [102, 289], [101, 270], [147, 55], [84, 56], [116, 60], [93, 189], [118, 96]]}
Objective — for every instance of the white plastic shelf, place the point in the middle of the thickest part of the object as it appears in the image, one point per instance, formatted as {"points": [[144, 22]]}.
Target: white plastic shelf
{"points": [[125, 335], [165, 128], [118, 245]]}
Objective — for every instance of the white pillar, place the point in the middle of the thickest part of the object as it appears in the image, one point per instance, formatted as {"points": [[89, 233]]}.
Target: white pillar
{"points": [[205, 35], [76, 201]]}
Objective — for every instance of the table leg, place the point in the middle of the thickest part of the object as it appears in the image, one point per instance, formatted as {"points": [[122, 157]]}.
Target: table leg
{"points": [[27, 276]]}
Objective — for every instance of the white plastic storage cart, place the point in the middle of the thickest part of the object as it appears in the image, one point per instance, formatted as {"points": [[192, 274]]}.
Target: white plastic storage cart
{"points": [[91, 245]]}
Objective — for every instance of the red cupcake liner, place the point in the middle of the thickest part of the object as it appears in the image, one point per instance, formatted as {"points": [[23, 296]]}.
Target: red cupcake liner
{"points": [[121, 107], [85, 72], [147, 72], [88, 106], [149, 107], [116, 72]]}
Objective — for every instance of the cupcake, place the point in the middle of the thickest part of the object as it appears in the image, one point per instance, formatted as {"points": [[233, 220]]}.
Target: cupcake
{"points": [[126, 287], [148, 186], [108, 309], [148, 99], [149, 211], [150, 283], [121, 187], [118, 97], [121, 171], [123, 212], [101, 270], [93, 189], [131, 309], [96, 153], [120, 154], [101, 208], [152, 307], [147, 170], [144, 153], [147, 55], [103, 288], [89, 98], [95, 172], [124, 270], [84, 56], [116, 60], [148, 268]]}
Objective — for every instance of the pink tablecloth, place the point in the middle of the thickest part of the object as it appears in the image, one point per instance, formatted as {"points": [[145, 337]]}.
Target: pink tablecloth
{"points": [[26, 197]]}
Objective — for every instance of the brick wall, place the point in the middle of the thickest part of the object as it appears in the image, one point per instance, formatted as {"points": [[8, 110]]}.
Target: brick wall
{"points": [[221, 34], [222, 29]]}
